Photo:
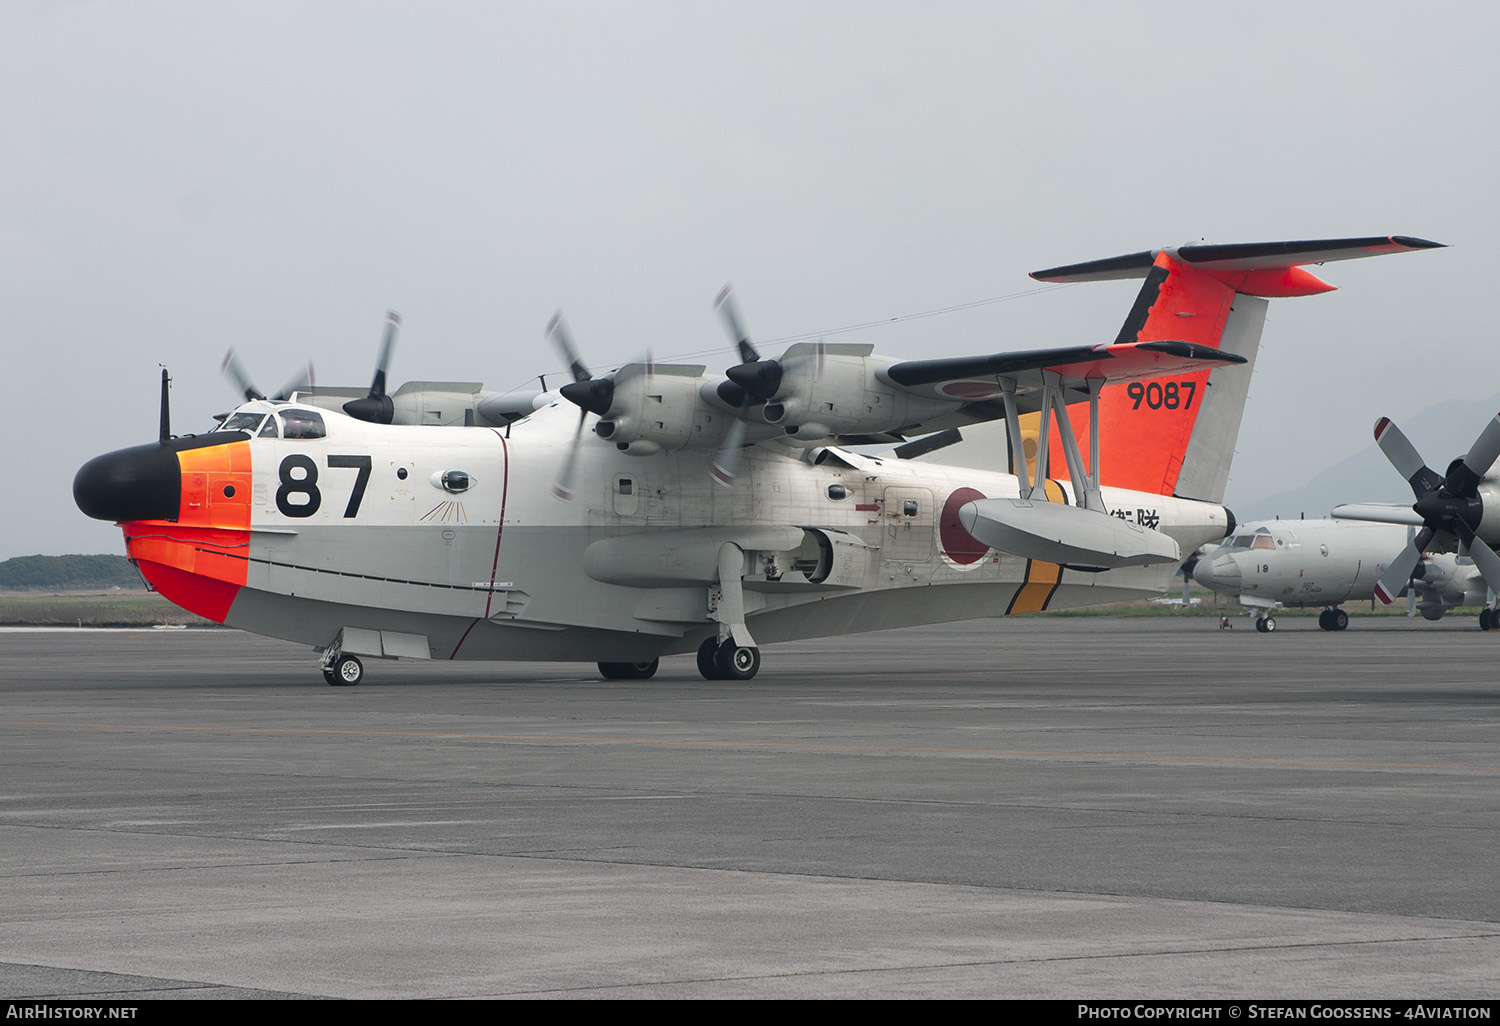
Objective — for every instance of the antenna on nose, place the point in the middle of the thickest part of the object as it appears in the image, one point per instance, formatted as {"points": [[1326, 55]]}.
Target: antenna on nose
{"points": [[166, 413]]}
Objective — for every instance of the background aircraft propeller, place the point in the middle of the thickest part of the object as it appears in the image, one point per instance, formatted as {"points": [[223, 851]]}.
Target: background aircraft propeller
{"points": [[1447, 503]]}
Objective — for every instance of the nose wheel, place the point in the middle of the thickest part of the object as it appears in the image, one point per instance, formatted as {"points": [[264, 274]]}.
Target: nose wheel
{"points": [[727, 661]]}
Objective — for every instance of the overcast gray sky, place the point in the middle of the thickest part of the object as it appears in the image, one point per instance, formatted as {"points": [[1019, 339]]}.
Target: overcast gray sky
{"points": [[184, 177]]}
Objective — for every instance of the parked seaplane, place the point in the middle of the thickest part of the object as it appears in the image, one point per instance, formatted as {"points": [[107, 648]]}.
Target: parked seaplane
{"points": [[662, 510]]}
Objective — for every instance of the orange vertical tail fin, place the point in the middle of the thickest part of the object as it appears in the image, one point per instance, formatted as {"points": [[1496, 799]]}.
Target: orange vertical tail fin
{"points": [[1176, 436]]}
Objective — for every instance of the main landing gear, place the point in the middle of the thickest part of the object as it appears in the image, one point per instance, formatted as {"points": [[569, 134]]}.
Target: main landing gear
{"points": [[1333, 620], [1265, 624], [727, 661], [1489, 619], [629, 671], [344, 671]]}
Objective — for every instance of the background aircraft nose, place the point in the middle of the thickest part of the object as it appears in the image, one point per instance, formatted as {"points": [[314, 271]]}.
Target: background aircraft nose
{"points": [[1221, 573], [140, 483]]}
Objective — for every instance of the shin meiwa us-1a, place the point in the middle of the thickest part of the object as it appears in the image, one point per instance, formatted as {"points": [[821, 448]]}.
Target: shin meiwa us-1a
{"points": [[661, 510]]}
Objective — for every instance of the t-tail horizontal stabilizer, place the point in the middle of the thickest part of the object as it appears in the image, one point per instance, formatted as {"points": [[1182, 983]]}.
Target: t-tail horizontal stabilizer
{"points": [[1177, 436]]}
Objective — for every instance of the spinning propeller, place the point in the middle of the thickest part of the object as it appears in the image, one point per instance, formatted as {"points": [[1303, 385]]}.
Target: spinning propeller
{"points": [[756, 378], [377, 407], [589, 394], [1448, 504], [235, 372]]}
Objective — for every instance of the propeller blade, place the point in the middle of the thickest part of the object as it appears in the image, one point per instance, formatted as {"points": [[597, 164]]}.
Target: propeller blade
{"points": [[729, 312], [1488, 563], [392, 329], [1464, 479], [562, 340], [232, 369], [728, 459], [1398, 575], [563, 486], [301, 383], [1405, 458]]}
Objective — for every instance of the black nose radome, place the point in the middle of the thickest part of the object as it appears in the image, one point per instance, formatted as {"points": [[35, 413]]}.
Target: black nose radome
{"points": [[143, 482]]}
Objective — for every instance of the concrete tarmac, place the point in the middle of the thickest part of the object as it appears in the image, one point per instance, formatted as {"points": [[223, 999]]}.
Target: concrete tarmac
{"points": [[1089, 807]]}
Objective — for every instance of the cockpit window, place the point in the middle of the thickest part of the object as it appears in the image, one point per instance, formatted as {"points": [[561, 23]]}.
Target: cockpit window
{"points": [[268, 429], [301, 424], [242, 421], [1263, 541]]}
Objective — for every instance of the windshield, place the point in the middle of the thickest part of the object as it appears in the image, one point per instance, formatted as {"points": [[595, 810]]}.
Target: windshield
{"points": [[242, 421]]}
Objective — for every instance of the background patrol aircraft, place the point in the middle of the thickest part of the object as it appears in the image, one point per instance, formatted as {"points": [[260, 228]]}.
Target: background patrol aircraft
{"points": [[1273, 563], [701, 507]]}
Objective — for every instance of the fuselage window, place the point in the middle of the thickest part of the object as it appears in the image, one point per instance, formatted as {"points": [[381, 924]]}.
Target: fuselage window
{"points": [[626, 486], [301, 424]]}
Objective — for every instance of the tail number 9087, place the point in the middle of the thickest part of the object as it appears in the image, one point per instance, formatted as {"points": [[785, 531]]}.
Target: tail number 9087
{"points": [[1158, 395]]}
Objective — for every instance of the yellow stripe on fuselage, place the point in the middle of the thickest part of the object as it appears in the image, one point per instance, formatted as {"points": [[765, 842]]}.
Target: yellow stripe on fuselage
{"points": [[1042, 578]]}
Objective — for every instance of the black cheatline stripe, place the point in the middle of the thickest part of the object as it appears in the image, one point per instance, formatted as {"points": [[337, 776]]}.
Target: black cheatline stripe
{"points": [[345, 573]]}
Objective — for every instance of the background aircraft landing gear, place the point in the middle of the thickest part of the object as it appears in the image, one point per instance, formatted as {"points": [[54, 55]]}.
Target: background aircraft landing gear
{"points": [[728, 661], [1266, 624], [346, 671], [1333, 620], [1487, 621], [629, 671]]}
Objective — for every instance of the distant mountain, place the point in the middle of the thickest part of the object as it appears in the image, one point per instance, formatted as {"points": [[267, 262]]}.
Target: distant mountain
{"points": [[1440, 432], [69, 573]]}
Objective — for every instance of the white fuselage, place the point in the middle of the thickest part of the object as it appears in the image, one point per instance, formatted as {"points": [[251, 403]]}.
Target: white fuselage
{"points": [[458, 546], [1322, 563]]}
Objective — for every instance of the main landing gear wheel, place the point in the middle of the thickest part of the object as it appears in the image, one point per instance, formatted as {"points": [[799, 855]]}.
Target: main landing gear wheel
{"points": [[727, 661], [629, 671], [346, 672], [1266, 624], [706, 653], [1487, 620], [1333, 620], [736, 663]]}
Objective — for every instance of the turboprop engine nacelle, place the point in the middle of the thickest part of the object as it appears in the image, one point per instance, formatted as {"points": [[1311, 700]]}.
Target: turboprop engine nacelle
{"points": [[838, 389], [1075, 537], [1488, 494], [654, 408]]}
